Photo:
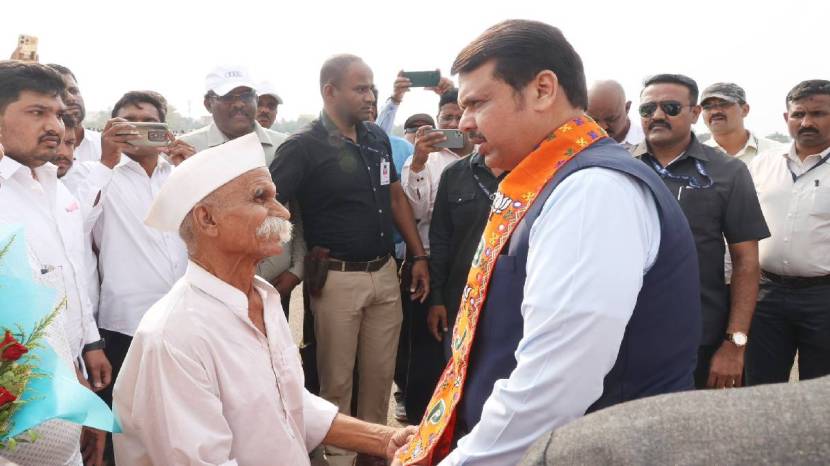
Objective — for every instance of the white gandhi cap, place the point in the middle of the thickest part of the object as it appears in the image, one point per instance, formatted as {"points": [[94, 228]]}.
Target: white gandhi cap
{"points": [[200, 175]]}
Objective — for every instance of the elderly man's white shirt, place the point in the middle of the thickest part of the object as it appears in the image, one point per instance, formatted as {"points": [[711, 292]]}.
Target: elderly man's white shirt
{"points": [[201, 385]]}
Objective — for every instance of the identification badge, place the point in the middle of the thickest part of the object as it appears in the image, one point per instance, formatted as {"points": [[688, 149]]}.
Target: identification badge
{"points": [[384, 173]]}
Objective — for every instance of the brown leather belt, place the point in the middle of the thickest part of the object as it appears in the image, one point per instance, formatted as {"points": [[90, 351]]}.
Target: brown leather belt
{"points": [[796, 282], [347, 266]]}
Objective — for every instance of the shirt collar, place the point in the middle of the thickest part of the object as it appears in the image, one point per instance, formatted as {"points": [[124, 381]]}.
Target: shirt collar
{"points": [[221, 290], [161, 166], [694, 149], [8, 167], [331, 128], [791, 154], [215, 137]]}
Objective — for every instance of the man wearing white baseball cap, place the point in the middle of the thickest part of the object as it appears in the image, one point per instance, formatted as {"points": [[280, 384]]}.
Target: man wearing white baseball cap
{"points": [[268, 102], [213, 376], [231, 97]]}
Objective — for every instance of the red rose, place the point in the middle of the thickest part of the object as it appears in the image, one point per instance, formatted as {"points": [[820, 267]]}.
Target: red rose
{"points": [[6, 397], [12, 349]]}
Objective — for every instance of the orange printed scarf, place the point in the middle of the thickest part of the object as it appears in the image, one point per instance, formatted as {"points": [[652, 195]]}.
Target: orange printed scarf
{"points": [[515, 196]]}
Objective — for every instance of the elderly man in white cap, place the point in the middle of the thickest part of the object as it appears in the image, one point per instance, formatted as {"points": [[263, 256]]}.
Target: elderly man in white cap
{"points": [[212, 376], [268, 102]]}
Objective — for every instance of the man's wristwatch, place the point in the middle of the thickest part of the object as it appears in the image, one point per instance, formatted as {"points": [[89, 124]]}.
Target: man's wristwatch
{"points": [[95, 345], [738, 338]]}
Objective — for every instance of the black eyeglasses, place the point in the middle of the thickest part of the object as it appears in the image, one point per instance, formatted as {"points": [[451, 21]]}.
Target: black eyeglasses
{"points": [[230, 98], [669, 107]]}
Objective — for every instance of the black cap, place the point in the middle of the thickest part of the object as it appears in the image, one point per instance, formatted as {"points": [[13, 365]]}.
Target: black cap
{"points": [[417, 120]]}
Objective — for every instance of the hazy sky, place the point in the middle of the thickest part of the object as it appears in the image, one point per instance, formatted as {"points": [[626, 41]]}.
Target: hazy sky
{"points": [[169, 46]]}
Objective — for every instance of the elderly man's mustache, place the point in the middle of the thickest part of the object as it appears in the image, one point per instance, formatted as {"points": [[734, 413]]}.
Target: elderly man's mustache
{"points": [[276, 228]]}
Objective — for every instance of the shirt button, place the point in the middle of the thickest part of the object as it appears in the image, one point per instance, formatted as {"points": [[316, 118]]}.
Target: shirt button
{"points": [[786, 262], [380, 211], [374, 189], [786, 240], [381, 234]]}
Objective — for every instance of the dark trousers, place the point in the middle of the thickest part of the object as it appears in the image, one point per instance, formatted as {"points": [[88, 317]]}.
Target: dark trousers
{"points": [[402, 358], [116, 348], [789, 320], [704, 363], [421, 365]]}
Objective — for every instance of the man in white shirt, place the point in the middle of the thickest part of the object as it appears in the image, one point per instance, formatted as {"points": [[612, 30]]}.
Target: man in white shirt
{"points": [[608, 106], [793, 311], [88, 144], [231, 98], [213, 376], [32, 195], [137, 264], [724, 110], [419, 179]]}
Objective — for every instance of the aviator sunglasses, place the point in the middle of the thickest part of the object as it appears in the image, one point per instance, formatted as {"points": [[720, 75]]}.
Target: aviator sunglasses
{"points": [[670, 107]]}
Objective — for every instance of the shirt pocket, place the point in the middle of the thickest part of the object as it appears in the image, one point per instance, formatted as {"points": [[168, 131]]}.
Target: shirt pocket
{"points": [[462, 207], [821, 203]]}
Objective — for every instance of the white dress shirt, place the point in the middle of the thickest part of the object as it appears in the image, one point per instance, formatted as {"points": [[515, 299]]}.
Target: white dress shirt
{"points": [[138, 264], [422, 188], [89, 150], [54, 226], [202, 386], [797, 213], [596, 237], [754, 147]]}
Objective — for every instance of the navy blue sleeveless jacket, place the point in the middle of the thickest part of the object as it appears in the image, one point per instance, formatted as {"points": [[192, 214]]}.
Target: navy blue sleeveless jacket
{"points": [[659, 347]]}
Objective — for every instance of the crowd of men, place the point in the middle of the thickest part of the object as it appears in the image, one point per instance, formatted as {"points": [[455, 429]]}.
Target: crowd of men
{"points": [[678, 264]]}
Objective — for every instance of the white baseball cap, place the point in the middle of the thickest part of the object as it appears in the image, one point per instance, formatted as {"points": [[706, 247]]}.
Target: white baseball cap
{"points": [[266, 88], [224, 79]]}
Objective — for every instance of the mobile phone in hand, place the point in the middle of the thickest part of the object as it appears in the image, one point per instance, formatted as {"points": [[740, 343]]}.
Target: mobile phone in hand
{"points": [[152, 134], [455, 138], [423, 78], [27, 46]]}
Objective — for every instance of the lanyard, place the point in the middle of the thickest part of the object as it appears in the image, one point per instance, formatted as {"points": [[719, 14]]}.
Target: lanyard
{"points": [[490, 195], [690, 181], [796, 177]]}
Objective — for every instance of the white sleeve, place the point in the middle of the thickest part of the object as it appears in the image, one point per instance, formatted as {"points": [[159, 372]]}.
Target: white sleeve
{"points": [[599, 230], [386, 116], [417, 187], [318, 415]]}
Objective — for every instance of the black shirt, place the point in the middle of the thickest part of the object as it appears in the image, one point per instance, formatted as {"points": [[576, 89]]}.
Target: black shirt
{"points": [[459, 216], [719, 200], [341, 186]]}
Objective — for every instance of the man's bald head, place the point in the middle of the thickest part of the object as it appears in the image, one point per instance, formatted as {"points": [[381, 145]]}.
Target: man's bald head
{"points": [[608, 106]]}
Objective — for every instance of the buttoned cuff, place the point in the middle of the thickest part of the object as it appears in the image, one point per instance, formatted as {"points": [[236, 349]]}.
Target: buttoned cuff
{"points": [[91, 334], [318, 415]]}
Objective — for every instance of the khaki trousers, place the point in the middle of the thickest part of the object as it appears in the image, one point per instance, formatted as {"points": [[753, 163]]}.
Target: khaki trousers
{"points": [[357, 317]]}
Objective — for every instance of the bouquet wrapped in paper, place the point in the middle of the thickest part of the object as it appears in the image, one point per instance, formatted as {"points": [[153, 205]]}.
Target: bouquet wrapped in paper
{"points": [[35, 385]]}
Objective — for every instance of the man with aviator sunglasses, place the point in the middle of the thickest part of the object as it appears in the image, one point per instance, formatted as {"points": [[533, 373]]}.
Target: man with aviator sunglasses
{"points": [[719, 200]]}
